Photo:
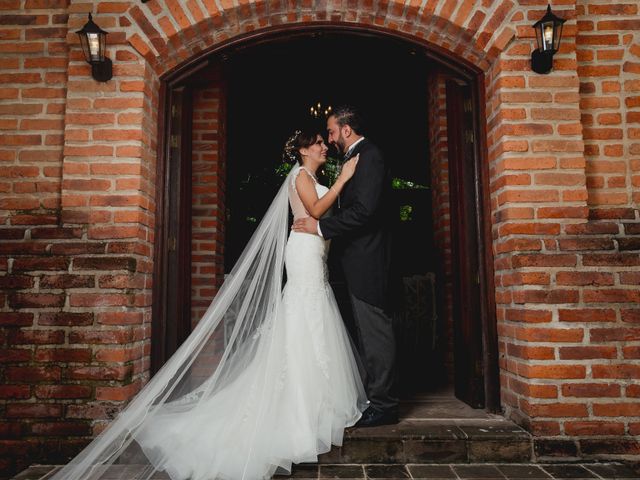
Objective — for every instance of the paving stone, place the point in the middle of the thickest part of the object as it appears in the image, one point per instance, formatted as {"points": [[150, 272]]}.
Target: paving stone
{"points": [[485, 472], [612, 471], [524, 472], [394, 472], [431, 472], [600, 471], [568, 471]]}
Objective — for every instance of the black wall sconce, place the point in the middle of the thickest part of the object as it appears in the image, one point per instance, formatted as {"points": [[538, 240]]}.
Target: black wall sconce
{"points": [[94, 42], [548, 34]]}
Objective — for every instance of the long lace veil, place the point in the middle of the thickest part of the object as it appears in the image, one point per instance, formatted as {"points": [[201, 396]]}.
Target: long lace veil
{"points": [[220, 347]]}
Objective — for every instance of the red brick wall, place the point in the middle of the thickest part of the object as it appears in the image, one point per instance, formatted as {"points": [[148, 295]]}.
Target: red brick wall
{"points": [[78, 166], [33, 272], [208, 184], [77, 207]]}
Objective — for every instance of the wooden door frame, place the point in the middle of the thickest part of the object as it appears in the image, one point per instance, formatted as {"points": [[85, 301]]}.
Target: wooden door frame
{"points": [[164, 241], [485, 246], [483, 204], [188, 80]]}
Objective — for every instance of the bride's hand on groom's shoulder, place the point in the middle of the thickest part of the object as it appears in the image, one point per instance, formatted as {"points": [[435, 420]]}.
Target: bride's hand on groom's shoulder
{"points": [[349, 168]]}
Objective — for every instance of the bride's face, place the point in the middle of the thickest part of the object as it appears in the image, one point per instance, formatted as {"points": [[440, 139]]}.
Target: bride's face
{"points": [[316, 152]]}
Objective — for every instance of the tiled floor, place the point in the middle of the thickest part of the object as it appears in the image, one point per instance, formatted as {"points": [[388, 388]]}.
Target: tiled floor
{"points": [[608, 471], [497, 471]]}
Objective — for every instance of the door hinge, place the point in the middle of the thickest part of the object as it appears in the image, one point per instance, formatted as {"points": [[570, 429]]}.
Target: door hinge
{"points": [[467, 105], [172, 243], [469, 137], [174, 141]]}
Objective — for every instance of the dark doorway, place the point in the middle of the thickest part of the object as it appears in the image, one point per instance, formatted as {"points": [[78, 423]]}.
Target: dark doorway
{"points": [[270, 88]]}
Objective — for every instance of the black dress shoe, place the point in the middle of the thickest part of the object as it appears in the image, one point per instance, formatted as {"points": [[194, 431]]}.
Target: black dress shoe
{"points": [[373, 417]]}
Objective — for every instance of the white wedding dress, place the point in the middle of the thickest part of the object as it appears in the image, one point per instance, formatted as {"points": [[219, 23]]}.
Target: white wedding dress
{"points": [[305, 367]]}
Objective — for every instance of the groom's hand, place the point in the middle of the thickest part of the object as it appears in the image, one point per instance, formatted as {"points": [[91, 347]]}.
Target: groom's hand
{"points": [[306, 225]]}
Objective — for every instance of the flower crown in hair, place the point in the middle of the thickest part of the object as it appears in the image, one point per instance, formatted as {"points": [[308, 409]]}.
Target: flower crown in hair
{"points": [[289, 153]]}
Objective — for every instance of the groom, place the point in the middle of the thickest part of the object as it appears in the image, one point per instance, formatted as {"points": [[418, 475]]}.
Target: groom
{"points": [[360, 243]]}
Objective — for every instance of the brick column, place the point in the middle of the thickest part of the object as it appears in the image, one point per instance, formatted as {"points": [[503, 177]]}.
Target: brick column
{"points": [[108, 194], [538, 188]]}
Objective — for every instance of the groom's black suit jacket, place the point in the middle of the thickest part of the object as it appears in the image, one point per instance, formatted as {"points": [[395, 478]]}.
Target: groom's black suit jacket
{"points": [[358, 228]]}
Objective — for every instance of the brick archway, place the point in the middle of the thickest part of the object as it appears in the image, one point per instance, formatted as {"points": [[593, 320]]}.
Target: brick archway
{"points": [[197, 71], [493, 38]]}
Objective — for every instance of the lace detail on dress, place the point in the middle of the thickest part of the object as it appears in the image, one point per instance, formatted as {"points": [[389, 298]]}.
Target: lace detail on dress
{"points": [[264, 326], [294, 177], [297, 207]]}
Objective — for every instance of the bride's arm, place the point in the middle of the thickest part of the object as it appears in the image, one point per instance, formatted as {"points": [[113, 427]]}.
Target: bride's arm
{"points": [[307, 192]]}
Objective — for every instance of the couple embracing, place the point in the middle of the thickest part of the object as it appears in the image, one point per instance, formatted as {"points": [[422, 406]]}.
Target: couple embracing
{"points": [[357, 227], [270, 377]]}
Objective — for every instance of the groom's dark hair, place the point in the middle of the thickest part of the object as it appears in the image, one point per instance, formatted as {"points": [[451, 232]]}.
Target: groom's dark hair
{"points": [[348, 115]]}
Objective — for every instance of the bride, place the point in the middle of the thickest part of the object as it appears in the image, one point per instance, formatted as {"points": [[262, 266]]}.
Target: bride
{"points": [[268, 376]]}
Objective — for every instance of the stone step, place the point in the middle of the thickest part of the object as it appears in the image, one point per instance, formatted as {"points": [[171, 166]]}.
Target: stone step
{"points": [[494, 440], [412, 441], [436, 427]]}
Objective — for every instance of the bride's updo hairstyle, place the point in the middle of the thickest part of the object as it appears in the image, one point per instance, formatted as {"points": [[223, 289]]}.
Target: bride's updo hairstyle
{"points": [[300, 139]]}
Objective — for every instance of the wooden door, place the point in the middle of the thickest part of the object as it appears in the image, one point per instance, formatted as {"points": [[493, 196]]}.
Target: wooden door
{"points": [[172, 296], [463, 191], [171, 322]]}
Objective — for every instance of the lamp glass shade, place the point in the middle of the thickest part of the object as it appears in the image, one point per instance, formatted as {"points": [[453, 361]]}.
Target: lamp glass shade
{"points": [[93, 41], [549, 31], [557, 36]]}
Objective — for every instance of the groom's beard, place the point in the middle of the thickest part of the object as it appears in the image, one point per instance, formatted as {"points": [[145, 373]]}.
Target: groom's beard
{"points": [[335, 146]]}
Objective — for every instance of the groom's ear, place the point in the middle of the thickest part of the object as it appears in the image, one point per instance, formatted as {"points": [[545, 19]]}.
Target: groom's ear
{"points": [[346, 131]]}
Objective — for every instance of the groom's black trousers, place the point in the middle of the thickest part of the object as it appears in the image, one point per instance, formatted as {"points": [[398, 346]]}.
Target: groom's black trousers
{"points": [[377, 349]]}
